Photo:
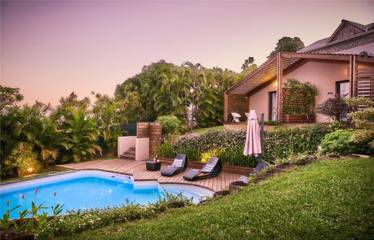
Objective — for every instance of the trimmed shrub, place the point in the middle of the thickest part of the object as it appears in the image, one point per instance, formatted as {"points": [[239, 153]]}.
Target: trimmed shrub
{"points": [[234, 156], [278, 143]]}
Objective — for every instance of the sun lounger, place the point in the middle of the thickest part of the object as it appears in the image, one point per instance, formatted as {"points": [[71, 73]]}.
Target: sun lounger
{"points": [[179, 165], [235, 117], [211, 169]]}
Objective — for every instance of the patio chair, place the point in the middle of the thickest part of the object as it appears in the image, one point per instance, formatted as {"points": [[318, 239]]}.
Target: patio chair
{"points": [[243, 180], [235, 117], [211, 169], [179, 165]]}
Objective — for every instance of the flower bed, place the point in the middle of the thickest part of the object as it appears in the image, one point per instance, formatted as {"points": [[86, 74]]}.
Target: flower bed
{"points": [[40, 226]]}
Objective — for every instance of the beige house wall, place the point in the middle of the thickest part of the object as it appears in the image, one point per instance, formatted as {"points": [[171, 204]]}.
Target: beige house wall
{"points": [[322, 74], [260, 100]]}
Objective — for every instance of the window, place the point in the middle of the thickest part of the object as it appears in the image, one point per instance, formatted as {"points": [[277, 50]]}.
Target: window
{"points": [[343, 91], [343, 88], [273, 106]]}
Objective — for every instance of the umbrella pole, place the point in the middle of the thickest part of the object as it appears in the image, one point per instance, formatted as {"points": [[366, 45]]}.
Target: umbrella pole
{"points": [[259, 157]]}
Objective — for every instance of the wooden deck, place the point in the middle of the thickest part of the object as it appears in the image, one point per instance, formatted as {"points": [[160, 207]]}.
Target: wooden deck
{"points": [[138, 171]]}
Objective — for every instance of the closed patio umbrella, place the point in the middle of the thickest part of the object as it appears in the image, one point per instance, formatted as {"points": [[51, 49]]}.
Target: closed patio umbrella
{"points": [[253, 138]]}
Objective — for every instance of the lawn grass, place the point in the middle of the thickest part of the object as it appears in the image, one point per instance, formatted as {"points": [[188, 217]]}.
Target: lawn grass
{"points": [[328, 199]]}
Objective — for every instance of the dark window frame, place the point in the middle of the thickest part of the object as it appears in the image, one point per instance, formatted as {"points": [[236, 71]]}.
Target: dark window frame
{"points": [[270, 110], [337, 86]]}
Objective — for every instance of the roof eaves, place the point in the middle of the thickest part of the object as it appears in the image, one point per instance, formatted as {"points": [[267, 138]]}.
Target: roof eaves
{"points": [[259, 69]]}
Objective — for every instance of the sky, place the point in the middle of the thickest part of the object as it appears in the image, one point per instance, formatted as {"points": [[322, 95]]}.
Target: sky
{"points": [[51, 48]]}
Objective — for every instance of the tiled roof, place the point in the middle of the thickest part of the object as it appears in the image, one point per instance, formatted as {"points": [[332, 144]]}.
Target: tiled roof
{"points": [[327, 41], [316, 45]]}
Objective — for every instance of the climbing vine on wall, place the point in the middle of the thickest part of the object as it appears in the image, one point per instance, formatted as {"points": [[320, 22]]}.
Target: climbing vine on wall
{"points": [[299, 98]]}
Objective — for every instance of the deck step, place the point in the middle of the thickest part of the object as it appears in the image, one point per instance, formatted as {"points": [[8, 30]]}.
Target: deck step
{"points": [[129, 154]]}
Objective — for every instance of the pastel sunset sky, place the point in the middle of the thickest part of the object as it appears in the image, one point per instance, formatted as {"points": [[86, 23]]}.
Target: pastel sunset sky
{"points": [[51, 48]]}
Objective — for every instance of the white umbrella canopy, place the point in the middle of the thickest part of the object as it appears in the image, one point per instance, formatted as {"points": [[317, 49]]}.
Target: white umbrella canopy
{"points": [[253, 137]]}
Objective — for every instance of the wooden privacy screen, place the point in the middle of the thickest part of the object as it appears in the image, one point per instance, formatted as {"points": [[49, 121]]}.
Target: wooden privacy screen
{"points": [[151, 131], [364, 86], [238, 104], [142, 130], [154, 137]]}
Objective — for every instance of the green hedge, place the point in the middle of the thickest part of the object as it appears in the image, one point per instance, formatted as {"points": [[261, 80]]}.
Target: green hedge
{"points": [[278, 143]]}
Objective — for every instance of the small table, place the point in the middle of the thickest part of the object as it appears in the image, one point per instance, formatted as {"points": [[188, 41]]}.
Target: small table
{"points": [[153, 166]]}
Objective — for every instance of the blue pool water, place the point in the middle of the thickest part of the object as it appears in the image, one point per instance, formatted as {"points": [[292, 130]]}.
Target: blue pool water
{"points": [[87, 190]]}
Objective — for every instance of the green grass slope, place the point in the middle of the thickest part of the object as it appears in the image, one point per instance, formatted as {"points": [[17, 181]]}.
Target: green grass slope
{"points": [[328, 199]]}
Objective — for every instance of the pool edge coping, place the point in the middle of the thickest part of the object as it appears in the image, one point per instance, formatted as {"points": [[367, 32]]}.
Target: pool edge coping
{"points": [[142, 180], [72, 170]]}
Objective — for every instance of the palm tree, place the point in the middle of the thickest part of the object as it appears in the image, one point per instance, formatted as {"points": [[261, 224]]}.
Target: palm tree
{"points": [[79, 135], [195, 76]]}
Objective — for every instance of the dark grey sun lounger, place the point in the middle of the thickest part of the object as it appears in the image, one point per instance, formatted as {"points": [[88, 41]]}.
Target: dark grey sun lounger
{"points": [[179, 165], [211, 169]]}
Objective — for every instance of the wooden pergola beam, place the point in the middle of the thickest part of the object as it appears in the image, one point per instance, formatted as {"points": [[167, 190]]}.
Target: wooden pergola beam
{"points": [[225, 107], [353, 75], [255, 72], [315, 56], [280, 83], [259, 87]]}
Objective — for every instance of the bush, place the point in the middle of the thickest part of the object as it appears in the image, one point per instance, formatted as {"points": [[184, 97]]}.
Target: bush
{"points": [[234, 156], [165, 150], [205, 156], [334, 108], [170, 124], [283, 142], [278, 143], [343, 142], [338, 141], [78, 221], [36, 221]]}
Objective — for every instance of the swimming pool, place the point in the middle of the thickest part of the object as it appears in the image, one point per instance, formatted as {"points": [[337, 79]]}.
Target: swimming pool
{"points": [[88, 189]]}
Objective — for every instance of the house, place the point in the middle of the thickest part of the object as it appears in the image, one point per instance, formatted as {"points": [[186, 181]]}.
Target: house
{"points": [[342, 63]]}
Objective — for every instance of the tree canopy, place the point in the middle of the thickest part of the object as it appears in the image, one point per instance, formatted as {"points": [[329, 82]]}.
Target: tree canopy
{"points": [[287, 44], [190, 92]]}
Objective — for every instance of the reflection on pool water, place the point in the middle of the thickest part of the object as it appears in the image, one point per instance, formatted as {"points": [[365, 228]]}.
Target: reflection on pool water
{"points": [[89, 189]]}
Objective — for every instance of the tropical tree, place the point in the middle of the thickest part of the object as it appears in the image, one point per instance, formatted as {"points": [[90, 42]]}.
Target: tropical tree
{"points": [[194, 75], [107, 113], [247, 63], [287, 44], [190, 92], [70, 101], [78, 135], [210, 104], [9, 96], [157, 90], [24, 128]]}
